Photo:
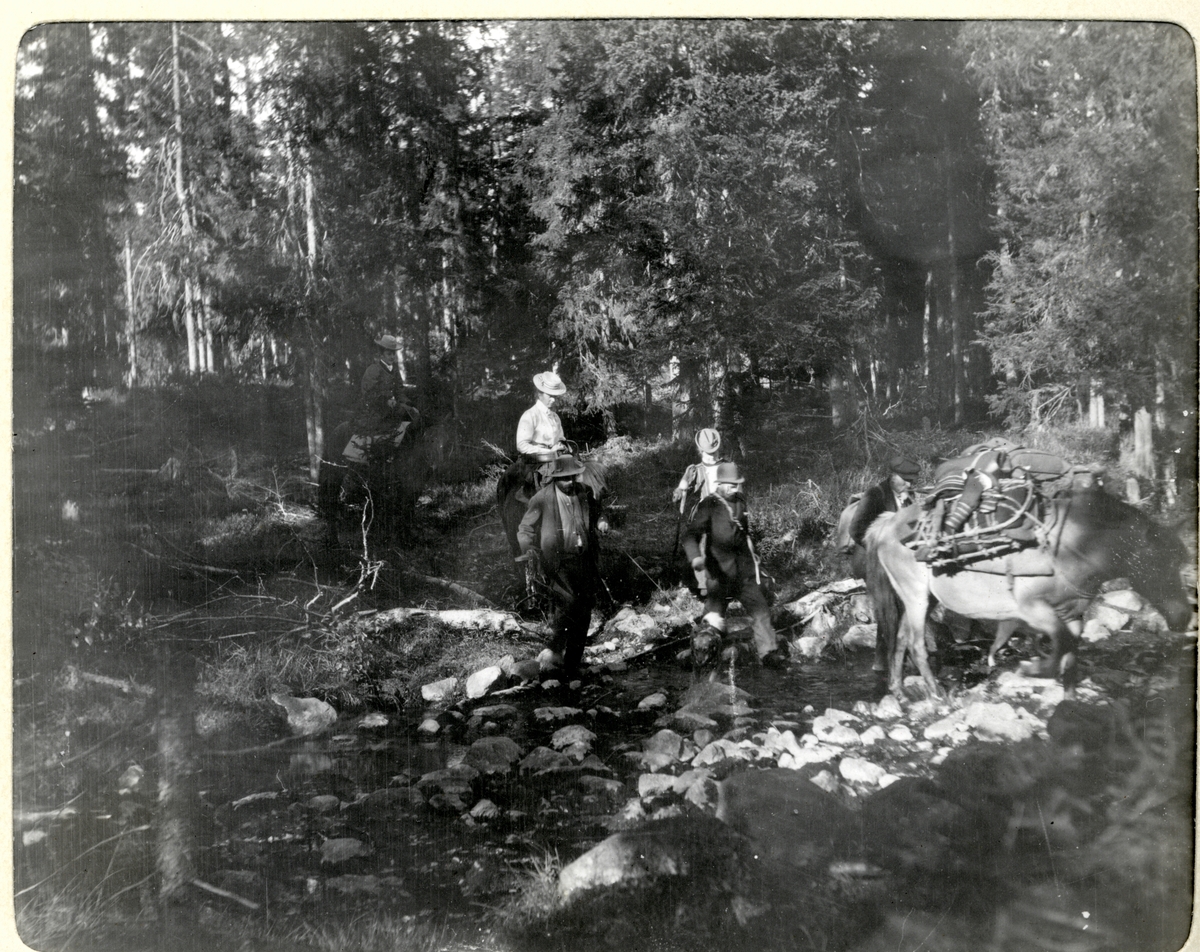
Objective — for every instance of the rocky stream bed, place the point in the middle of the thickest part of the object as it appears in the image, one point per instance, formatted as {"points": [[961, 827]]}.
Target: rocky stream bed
{"points": [[651, 806]]}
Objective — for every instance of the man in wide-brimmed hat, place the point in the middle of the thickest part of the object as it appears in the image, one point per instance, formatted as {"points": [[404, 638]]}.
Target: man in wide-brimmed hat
{"points": [[717, 542], [386, 409], [560, 531]]}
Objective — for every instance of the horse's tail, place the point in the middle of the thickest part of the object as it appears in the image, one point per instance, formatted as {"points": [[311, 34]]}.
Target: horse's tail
{"points": [[888, 607], [594, 477]]}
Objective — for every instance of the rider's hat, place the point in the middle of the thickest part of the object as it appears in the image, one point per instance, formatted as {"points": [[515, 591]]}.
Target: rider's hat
{"points": [[566, 466], [728, 473], [902, 466], [388, 342], [708, 440], [549, 382]]}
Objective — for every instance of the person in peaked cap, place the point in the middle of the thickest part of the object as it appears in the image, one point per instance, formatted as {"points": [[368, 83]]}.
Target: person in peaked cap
{"points": [[717, 543], [385, 407], [891, 493], [560, 530]]}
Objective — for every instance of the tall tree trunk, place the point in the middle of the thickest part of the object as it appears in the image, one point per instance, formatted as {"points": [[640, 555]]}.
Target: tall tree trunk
{"points": [[210, 365], [185, 219], [1143, 443], [189, 322], [177, 794], [314, 414], [1096, 409], [927, 335], [131, 376], [690, 408]]}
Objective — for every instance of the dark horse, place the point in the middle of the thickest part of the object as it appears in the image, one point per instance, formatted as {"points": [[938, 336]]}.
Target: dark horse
{"points": [[516, 487], [386, 483], [1091, 538]]}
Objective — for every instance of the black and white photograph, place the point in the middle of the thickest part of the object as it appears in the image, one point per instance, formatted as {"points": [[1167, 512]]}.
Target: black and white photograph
{"points": [[667, 484]]}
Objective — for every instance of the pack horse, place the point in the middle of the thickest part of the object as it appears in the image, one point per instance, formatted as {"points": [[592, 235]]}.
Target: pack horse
{"points": [[1088, 538]]}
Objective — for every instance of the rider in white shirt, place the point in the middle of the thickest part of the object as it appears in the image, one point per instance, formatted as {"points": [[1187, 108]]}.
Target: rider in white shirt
{"points": [[540, 433]]}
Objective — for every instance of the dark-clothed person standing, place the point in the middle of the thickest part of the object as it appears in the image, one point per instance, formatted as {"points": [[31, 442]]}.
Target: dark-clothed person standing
{"points": [[890, 494], [560, 529], [728, 561]]}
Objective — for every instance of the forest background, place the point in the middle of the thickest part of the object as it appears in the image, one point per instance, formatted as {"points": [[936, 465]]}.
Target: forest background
{"points": [[916, 220]]}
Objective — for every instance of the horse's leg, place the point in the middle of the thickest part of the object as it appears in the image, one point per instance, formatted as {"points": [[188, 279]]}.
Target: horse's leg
{"points": [[1041, 616], [1004, 631], [910, 581]]}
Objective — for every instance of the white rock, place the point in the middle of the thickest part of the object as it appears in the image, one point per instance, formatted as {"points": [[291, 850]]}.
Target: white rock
{"points": [[1108, 616], [1094, 630], [652, 702], [826, 781], [822, 623], [439, 690], [343, 848], [810, 646], [482, 681], [795, 759], [374, 719], [653, 784], [429, 726], [945, 727], [857, 770], [1124, 599], [887, 780], [574, 734], [872, 735], [888, 708], [900, 733], [1000, 721], [860, 636], [306, 715], [485, 810]]}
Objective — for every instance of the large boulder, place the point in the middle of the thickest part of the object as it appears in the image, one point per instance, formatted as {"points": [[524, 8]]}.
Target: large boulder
{"points": [[691, 846], [789, 819]]}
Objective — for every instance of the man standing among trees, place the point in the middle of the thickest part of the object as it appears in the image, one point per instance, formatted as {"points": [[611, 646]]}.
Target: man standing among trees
{"points": [[560, 528]]}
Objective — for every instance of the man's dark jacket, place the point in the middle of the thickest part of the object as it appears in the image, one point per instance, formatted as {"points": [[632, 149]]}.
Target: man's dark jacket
{"points": [[875, 501]]}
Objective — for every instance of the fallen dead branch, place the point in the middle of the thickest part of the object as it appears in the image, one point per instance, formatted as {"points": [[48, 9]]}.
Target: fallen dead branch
{"points": [[224, 893], [485, 618], [125, 687], [454, 587]]}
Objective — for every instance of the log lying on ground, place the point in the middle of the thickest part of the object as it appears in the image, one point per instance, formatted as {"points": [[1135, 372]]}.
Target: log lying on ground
{"points": [[476, 618], [806, 606], [460, 590]]}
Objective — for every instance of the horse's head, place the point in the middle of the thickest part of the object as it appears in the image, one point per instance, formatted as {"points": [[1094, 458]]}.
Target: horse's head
{"points": [[1163, 582], [1104, 538]]}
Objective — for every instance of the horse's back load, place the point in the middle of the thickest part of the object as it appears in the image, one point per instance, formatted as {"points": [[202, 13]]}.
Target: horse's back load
{"points": [[991, 501]]}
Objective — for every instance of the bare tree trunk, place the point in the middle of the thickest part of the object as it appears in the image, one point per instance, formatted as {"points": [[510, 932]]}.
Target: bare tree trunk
{"points": [[927, 333], [189, 322], [177, 795], [314, 417], [130, 318], [690, 407], [1143, 444], [210, 365], [1096, 408]]}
